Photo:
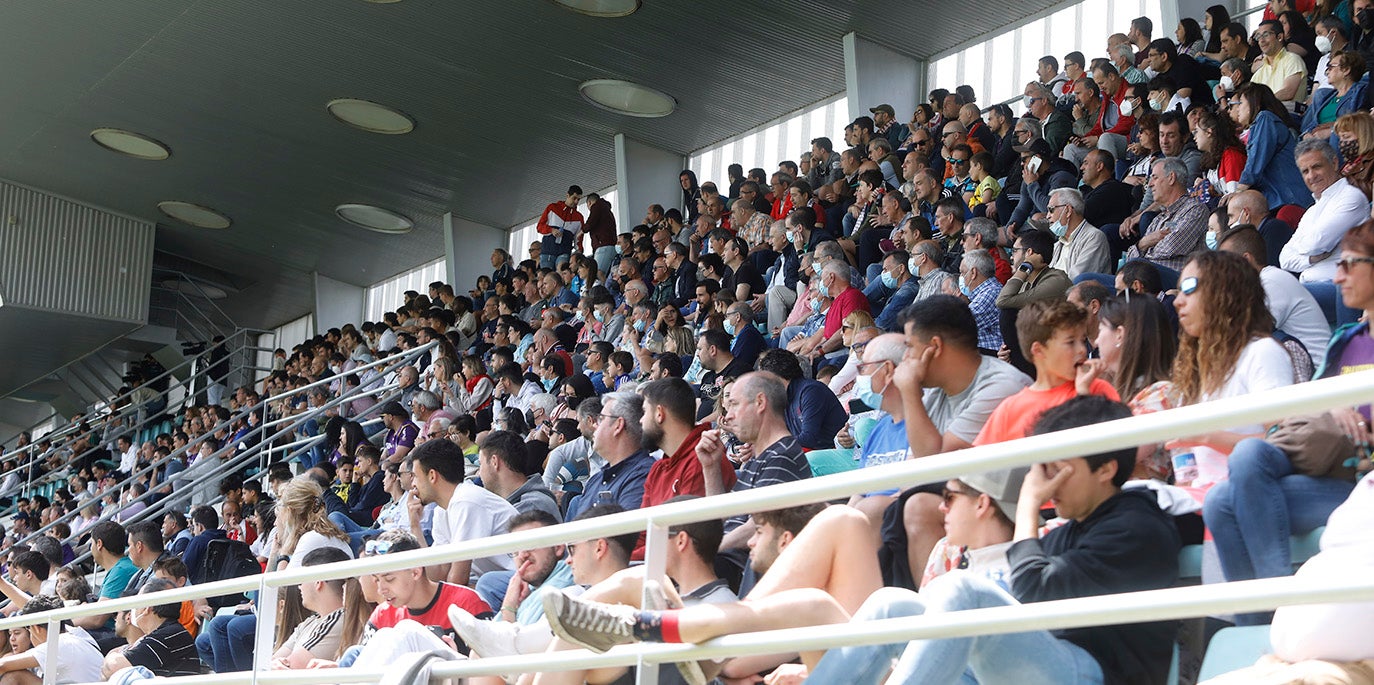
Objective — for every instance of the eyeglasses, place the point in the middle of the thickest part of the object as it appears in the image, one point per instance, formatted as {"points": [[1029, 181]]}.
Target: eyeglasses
{"points": [[863, 366], [847, 327], [956, 160], [925, 141], [1344, 263], [1051, 208], [1188, 286], [374, 548], [949, 495], [1264, 34], [599, 417], [858, 347]]}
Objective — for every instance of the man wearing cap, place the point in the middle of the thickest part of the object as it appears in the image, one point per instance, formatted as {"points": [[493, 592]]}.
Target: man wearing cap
{"points": [[400, 433], [1041, 171], [560, 224], [886, 125]]}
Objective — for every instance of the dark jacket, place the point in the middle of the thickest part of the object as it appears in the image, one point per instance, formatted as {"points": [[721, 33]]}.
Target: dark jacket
{"points": [[1127, 544], [684, 284], [748, 345], [1109, 203], [814, 414], [362, 501], [600, 224], [790, 264]]}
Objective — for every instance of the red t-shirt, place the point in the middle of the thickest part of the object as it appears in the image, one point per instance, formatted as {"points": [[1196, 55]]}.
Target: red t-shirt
{"points": [[1014, 417], [1231, 165], [680, 474], [850, 300], [1001, 267], [436, 614]]}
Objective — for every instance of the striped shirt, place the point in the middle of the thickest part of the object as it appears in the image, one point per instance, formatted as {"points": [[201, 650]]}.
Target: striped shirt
{"points": [[318, 635], [782, 462], [168, 651]]}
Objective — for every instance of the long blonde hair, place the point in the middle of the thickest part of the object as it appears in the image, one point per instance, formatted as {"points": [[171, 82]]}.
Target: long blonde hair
{"points": [[300, 510]]}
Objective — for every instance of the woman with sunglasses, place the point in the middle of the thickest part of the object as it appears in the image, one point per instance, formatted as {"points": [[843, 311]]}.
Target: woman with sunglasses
{"points": [[1252, 515], [1345, 69], [1226, 349]]}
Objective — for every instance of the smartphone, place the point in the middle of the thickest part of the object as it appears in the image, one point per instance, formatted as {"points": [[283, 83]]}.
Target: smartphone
{"points": [[1033, 165]]}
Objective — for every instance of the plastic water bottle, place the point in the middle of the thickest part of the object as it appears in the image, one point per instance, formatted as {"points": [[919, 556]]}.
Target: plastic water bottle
{"points": [[1185, 467]]}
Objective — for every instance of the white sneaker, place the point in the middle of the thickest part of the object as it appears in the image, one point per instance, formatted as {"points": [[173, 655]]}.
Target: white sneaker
{"points": [[485, 638]]}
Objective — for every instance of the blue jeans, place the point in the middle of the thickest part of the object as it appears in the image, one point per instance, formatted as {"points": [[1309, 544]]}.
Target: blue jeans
{"points": [[225, 643], [1029, 658], [491, 587], [356, 533], [787, 334], [1257, 509]]}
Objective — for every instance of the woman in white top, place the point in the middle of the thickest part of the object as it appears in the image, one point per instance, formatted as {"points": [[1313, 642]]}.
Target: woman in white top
{"points": [[1226, 349], [302, 524]]}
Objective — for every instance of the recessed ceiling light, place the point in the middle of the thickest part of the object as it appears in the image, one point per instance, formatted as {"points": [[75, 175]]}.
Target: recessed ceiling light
{"points": [[130, 143], [371, 116], [374, 218], [194, 214], [624, 97], [601, 8]]}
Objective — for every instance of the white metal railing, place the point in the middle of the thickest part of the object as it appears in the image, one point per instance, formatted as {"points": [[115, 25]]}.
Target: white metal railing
{"points": [[1352, 389]]}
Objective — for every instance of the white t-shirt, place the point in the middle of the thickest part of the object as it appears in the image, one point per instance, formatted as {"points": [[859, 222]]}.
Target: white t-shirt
{"points": [[81, 658], [1296, 312], [1334, 632], [474, 513], [1263, 365], [310, 541]]}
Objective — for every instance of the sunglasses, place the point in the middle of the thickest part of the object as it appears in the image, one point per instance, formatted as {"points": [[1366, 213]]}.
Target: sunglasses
{"points": [[1188, 286], [949, 495], [374, 548], [1345, 263]]}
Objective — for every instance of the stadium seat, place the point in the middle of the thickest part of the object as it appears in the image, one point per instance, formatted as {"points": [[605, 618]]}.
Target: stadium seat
{"points": [[1234, 648], [1302, 547], [826, 462]]}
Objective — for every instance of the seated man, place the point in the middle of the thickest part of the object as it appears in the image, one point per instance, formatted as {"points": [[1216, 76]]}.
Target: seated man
{"points": [[899, 288], [317, 637], [166, 648], [1115, 541], [81, 658], [814, 414], [619, 440]]}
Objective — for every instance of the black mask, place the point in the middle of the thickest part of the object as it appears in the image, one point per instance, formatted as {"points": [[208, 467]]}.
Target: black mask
{"points": [[1365, 17]]}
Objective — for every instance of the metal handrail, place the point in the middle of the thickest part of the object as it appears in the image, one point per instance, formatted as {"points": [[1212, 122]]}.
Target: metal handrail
{"points": [[1259, 407], [399, 359]]}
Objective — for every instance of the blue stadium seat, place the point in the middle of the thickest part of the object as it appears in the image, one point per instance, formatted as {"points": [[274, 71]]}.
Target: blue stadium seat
{"points": [[1234, 648]]}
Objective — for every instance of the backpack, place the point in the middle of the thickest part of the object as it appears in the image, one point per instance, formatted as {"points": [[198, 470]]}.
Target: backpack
{"points": [[223, 559]]}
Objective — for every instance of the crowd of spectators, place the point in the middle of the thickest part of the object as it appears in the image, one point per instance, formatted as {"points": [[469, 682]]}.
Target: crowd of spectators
{"points": [[1173, 222]]}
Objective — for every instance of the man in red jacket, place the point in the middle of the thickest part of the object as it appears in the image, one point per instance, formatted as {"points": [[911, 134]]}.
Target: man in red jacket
{"points": [[601, 227], [560, 225]]}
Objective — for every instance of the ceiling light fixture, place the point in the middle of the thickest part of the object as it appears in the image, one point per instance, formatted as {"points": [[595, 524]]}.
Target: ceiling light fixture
{"points": [[625, 97], [193, 214], [129, 143], [371, 116], [601, 8], [374, 218]]}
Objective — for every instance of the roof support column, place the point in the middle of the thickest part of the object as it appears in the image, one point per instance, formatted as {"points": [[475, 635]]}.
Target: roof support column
{"points": [[644, 175], [876, 75], [467, 251]]}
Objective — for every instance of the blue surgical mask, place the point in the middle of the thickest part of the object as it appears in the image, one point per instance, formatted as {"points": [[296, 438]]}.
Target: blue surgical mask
{"points": [[1211, 241], [639, 325], [911, 265], [619, 249], [729, 327], [548, 383], [963, 287], [815, 306], [600, 315], [791, 236], [1058, 229], [863, 392], [889, 281]]}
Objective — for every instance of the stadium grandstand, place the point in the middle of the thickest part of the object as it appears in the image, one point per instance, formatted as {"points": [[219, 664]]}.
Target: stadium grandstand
{"points": [[1010, 341]]}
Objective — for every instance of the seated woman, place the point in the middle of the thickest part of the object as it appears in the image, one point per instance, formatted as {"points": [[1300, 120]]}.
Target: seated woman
{"points": [[1264, 501], [1345, 69], [1223, 156], [1269, 147]]}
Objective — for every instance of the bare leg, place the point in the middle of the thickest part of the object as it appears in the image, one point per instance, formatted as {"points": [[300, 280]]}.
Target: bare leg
{"points": [[835, 552], [20, 678], [873, 507], [925, 525]]}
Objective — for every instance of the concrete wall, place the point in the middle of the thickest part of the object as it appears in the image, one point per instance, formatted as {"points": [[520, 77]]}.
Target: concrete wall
{"points": [[467, 248], [876, 75], [337, 303], [645, 175]]}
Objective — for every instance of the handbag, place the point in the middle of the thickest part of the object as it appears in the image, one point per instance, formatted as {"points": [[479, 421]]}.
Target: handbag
{"points": [[1316, 446]]}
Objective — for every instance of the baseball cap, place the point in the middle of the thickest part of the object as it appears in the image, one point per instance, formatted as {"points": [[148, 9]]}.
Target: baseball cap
{"points": [[883, 108], [395, 409], [1004, 487], [1036, 147]]}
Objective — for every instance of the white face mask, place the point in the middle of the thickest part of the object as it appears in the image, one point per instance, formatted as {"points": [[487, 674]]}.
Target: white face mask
{"points": [[1323, 44], [1127, 107], [1228, 84]]}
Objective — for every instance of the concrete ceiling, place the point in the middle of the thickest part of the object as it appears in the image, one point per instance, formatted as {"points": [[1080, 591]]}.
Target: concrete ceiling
{"points": [[237, 89]]}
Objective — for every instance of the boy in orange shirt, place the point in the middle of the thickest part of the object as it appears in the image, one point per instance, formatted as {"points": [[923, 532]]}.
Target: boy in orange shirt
{"points": [[1053, 336]]}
